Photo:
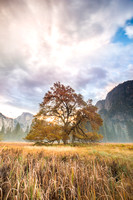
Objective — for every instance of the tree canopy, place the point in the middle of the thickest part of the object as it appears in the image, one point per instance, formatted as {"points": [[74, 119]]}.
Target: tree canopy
{"points": [[64, 115]]}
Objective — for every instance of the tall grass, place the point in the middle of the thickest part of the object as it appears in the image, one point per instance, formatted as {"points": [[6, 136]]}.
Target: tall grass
{"points": [[41, 176]]}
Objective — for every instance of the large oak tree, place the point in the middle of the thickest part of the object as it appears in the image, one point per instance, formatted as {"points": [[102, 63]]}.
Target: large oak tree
{"points": [[63, 115]]}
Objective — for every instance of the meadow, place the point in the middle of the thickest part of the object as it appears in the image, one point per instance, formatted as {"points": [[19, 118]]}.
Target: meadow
{"points": [[82, 172]]}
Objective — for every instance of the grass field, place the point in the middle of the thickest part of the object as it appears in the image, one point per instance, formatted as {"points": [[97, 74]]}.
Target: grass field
{"points": [[88, 172]]}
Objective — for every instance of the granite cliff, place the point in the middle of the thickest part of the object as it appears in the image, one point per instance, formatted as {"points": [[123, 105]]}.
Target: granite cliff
{"points": [[117, 114], [25, 120], [6, 122], [15, 129]]}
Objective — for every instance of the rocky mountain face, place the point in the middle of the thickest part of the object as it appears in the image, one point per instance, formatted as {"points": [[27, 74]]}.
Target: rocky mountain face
{"points": [[15, 129], [6, 122], [24, 120], [117, 114]]}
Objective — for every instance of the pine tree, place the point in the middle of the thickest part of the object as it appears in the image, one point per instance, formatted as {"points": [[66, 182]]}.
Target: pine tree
{"points": [[2, 129], [2, 132]]}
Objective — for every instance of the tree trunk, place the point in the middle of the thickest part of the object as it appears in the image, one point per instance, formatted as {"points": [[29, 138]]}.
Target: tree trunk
{"points": [[58, 141], [65, 141], [73, 139]]}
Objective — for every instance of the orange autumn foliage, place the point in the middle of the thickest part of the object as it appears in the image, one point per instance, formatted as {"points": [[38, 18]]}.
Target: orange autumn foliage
{"points": [[70, 115]]}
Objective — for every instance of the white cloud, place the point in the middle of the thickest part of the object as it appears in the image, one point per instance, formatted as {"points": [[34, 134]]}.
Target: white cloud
{"points": [[67, 41], [129, 71], [12, 111], [38, 89], [129, 31]]}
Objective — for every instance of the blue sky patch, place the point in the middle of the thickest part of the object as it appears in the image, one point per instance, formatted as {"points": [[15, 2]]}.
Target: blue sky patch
{"points": [[120, 36], [129, 22]]}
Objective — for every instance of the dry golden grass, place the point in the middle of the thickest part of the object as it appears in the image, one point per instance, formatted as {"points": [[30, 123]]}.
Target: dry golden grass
{"points": [[88, 172]]}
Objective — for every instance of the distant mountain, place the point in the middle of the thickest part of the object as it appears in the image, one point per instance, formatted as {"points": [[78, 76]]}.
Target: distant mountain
{"points": [[25, 120], [117, 113], [6, 122], [15, 129]]}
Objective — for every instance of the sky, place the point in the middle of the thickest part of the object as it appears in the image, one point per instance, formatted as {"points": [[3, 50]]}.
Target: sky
{"points": [[82, 43]]}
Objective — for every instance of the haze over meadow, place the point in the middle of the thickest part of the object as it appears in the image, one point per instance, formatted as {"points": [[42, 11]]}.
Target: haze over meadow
{"points": [[85, 44]]}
